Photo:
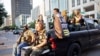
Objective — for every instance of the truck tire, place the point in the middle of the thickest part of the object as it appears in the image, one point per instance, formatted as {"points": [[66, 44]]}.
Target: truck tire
{"points": [[74, 50]]}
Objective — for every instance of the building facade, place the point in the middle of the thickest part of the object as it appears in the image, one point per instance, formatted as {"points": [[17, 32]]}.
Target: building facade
{"points": [[8, 21], [51, 4], [22, 20], [20, 7], [35, 12], [88, 8]]}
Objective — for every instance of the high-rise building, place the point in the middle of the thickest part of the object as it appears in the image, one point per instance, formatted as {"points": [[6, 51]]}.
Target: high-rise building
{"points": [[22, 19], [35, 13], [20, 7], [7, 21], [51, 4]]}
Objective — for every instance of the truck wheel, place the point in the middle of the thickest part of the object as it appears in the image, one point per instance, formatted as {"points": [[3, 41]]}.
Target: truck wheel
{"points": [[74, 50]]}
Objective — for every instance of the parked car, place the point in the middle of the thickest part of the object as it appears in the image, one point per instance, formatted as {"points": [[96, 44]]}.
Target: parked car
{"points": [[33, 30], [87, 36], [16, 32]]}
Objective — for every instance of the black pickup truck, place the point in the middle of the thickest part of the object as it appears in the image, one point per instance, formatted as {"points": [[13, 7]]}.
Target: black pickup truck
{"points": [[87, 36]]}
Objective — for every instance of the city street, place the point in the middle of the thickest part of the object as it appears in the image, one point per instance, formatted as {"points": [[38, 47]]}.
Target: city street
{"points": [[73, 25], [9, 39]]}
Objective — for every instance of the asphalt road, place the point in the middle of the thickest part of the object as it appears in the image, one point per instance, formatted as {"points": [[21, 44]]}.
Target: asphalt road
{"points": [[9, 39]]}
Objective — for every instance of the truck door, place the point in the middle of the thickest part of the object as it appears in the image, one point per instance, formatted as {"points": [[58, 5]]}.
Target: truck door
{"points": [[83, 35], [94, 32]]}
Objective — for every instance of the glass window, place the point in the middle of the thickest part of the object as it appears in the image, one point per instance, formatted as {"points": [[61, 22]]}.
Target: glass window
{"points": [[73, 3], [84, 1], [80, 27], [62, 4], [91, 0], [96, 23], [90, 24], [54, 4], [47, 7], [78, 2]]}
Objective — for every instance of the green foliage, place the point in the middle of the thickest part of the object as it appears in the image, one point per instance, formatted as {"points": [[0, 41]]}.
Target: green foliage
{"points": [[6, 28], [71, 16], [50, 25], [3, 14], [32, 24], [13, 27], [10, 27]]}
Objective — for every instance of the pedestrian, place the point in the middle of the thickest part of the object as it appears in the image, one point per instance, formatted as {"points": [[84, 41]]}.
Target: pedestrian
{"points": [[40, 18], [60, 25], [26, 39], [77, 19], [64, 15], [71, 25], [40, 41]]}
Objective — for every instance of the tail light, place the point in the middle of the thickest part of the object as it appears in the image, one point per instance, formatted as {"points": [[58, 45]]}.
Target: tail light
{"points": [[53, 44]]}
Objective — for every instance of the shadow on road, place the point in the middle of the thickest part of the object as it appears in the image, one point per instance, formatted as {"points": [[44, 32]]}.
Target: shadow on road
{"points": [[92, 51]]}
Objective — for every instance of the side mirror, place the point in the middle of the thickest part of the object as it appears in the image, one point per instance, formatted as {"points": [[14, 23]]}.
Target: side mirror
{"points": [[96, 21]]}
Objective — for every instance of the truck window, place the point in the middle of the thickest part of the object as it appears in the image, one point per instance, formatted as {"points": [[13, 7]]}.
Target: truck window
{"points": [[91, 24], [96, 23], [81, 27]]}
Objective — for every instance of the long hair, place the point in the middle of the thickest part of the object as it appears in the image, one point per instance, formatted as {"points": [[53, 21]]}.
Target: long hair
{"points": [[73, 14], [41, 23], [64, 13], [40, 19]]}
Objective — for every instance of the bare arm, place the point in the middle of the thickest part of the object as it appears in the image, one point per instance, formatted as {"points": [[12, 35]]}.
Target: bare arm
{"points": [[19, 40], [58, 28]]}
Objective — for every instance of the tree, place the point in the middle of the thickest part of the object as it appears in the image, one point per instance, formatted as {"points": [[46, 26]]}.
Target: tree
{"points": [[51, 25], [3, 14], [32, 24]]}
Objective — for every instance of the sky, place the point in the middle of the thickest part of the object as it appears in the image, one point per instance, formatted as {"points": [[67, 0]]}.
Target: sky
{"points": [[7, 5], [35, 3]]}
